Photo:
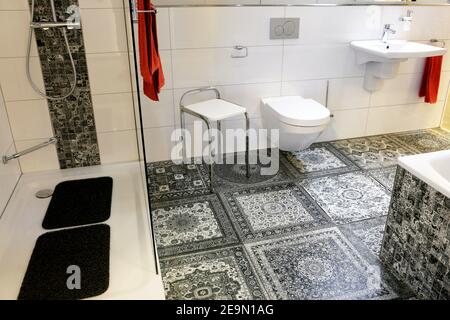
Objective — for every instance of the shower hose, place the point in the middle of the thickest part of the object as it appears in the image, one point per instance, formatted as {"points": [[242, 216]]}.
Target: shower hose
{"points": [[30, 36]]}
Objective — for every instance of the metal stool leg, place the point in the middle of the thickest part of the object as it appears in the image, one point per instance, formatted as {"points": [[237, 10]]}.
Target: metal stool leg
{"points": [[183, 136], [219, 141], [247, 155], [211, 164]]}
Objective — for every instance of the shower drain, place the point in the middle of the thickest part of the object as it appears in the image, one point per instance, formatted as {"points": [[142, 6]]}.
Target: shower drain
{"points": [[44, 194]]}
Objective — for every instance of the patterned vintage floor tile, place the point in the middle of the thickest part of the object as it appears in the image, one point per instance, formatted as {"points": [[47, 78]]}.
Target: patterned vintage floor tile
{"points": [[385, 176], [349, 197], [317, 265], [232, 173], [188, 225], [372, 152], [424, 141], [224, 274], [168, 180], [319, 159], [368, 233], [272, 210]]}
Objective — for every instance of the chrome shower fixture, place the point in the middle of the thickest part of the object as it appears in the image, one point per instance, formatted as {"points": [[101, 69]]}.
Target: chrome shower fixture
{"points": [[73, 22]]}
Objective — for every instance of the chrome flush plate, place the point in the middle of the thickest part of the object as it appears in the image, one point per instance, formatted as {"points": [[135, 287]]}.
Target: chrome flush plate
{"points": [[284, 28]]}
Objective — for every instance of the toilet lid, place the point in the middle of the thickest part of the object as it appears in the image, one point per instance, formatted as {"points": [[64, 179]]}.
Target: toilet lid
{"points": [[298, 111]]}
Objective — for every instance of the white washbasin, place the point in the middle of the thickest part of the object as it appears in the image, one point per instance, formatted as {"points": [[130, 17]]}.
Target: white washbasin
{"points": [[382, 59], [397, 49]]}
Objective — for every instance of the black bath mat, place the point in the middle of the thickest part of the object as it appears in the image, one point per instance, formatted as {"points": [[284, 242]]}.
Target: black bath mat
{"points": [[55, 257], [79, 202]]}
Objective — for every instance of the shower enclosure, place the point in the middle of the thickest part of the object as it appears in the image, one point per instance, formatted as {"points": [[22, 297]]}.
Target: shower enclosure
{"points": [[84, 123]]}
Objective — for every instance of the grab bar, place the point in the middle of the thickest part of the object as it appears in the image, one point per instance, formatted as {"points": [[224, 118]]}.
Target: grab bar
{"points": [[48, 25], [6, 158]]}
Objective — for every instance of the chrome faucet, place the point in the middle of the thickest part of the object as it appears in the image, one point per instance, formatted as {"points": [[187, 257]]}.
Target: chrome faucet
{"points": [[387, 29]]}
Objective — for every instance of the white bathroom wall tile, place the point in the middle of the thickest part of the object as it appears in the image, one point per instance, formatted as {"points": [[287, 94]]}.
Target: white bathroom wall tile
{"points": [[163, 26], [343, 24], [310, 89], [14, 5], [9, 175], [119, 146], [202, 67], [348, 93], [446, 60], [428, 22], [6, 138], [96, 4], [104, 30], [402, 89], [109, 72], [412, 66], [13, 78], [207, 27], [346, 124], [319, 62], [444, 86], [40, 160], [403, 118], [29, 119], [14, 44], [158, 144], [158, 113], [113, 112]]}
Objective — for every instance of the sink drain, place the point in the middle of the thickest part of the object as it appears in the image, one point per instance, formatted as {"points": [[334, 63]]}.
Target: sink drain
{"points": [[44, 194]]}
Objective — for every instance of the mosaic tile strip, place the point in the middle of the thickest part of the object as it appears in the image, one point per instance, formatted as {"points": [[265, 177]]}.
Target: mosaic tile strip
{"points": [[73, 117], [272, 210], [317, 265], [416, 245], [224, 274], [189, 225]]}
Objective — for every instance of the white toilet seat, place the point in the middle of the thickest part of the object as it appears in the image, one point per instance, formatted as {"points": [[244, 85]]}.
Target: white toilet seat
{"points": [[297, 111]]}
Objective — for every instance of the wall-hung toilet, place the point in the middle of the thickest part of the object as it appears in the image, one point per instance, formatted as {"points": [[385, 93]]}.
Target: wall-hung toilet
{"points": [[300, 121]]}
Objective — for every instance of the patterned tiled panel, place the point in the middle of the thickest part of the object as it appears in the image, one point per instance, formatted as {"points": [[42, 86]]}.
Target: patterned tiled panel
{"points": [[73, 117], [272, 210], [416, 245], [372, 152], [224, 274], [190, 225], [349, 197], [316, 265]]}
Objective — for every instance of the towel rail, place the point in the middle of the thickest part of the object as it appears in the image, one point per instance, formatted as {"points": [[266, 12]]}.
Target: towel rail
{"points": [[434, 41], [136, 11]]}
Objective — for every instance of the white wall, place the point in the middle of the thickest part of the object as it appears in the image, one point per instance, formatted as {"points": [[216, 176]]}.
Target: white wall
{"points": [[10, 172], [196, 44]]}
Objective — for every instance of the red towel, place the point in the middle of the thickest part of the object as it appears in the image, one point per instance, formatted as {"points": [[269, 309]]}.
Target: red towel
{"points": [[431, 77], [150, 62]]}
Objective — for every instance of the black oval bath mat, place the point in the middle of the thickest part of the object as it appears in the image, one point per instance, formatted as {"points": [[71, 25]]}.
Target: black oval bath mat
{"points": [[68, 264], [79, 202]]}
